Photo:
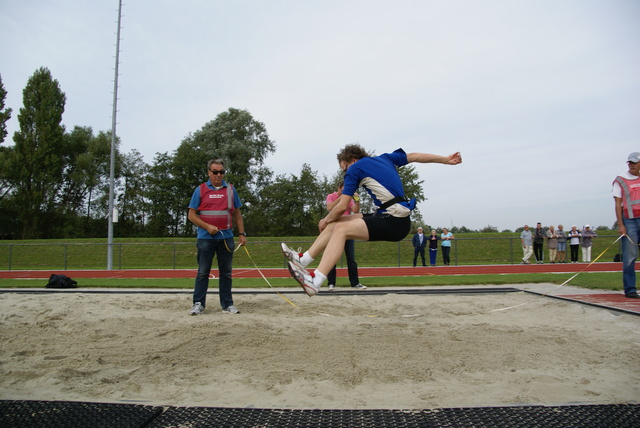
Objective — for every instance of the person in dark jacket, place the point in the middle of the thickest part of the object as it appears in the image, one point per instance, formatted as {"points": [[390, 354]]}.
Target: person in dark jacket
{"points": [[419, 242]]}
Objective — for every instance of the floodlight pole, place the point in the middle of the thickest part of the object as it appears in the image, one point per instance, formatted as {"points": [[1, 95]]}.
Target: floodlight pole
{"points": [[112, 165]]}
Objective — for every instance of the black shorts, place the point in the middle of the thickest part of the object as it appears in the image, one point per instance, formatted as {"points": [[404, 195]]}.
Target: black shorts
{"points": [[387, 227]]}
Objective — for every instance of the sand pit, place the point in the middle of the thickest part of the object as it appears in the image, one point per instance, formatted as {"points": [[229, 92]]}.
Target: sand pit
{"points": [[339, 352]]}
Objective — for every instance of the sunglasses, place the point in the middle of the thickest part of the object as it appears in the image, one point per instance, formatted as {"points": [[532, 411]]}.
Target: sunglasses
{"points": [[215, 172]]}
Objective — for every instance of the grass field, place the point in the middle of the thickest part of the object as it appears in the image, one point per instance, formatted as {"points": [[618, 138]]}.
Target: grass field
{"points": [[180, 253]]}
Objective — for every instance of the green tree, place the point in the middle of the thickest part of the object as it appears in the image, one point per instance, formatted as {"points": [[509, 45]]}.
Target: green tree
{"points": [[5, 113], [168, 198], [412, 189], [78, 177], [291, 205], [255, 222], [234, 136], [131, 199], [96, 161], [35, 166], [86, 164]]}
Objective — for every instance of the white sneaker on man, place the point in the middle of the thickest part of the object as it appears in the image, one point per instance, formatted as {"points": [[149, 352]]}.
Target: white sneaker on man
{"points": [[359, 287], [197, 309], [332, 287], [231, 310], [304, 278], [291, 255]]}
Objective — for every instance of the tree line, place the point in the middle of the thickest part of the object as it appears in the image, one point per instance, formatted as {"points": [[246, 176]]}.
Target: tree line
{"points": [[54, 182]]}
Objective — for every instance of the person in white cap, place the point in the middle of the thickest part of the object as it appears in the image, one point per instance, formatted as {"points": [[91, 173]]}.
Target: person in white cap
{"points": [[586, 242], [626, 194]]}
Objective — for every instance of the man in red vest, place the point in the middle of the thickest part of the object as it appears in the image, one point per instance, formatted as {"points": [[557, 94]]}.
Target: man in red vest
{"points": [[626, 194], [214, 207]]}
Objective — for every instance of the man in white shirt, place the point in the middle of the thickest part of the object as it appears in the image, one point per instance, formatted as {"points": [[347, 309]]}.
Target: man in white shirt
{"points": [[626, 194], [527, 244]]}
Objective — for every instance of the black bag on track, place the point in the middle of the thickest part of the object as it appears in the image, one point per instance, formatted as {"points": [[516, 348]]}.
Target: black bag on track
{"points": [[61, 281]]}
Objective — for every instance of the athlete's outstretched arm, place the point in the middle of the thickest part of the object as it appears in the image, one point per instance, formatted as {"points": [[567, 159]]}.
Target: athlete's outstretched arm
{"points": [[453, 159]]}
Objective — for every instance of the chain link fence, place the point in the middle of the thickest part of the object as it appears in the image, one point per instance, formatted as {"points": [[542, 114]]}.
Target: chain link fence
{"points": [[265, 253]]}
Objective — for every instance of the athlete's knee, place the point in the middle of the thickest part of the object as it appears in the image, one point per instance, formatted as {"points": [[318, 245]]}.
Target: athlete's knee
{"points": [[341, 229]]}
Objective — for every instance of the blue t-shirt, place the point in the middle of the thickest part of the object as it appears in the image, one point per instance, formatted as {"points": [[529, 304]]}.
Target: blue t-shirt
{"points": [[379, 177], [445, 242], [195, 204]]}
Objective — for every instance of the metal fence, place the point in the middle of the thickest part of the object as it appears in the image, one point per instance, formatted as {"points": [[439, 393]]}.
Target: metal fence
{"points": [[182, 255]]}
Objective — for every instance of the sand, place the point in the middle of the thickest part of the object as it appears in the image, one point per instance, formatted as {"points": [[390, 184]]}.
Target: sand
{"points": [[338, 352]]}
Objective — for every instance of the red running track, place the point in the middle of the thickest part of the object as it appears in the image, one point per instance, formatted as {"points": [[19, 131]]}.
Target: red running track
{"points": [[362, 271], [611, 300]]}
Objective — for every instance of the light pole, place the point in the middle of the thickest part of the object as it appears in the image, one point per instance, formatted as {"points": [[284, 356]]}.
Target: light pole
{"points": [[112, 165]]}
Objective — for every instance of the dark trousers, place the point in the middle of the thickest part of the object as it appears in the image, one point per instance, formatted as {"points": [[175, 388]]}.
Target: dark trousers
{"points": [[223, 250], [537, 251], [352, 266], [416, 251], [445, 254], [574, 252], [433, 252]]}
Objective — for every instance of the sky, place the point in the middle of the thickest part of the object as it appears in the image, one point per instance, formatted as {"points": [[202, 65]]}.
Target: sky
{"points": [[541, 97]]}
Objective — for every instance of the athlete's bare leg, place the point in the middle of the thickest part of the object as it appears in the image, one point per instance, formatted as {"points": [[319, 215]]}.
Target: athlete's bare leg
{"points": [[354, 228]]}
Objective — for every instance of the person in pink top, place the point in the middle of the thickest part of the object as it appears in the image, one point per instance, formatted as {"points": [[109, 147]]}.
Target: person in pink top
{"points": [[349, 245]]}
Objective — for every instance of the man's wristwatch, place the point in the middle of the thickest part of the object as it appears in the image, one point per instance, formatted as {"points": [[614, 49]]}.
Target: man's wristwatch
{"points": [[242, 233]]}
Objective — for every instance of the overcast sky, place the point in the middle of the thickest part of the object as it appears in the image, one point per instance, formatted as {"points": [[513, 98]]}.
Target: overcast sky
{"points": [[541, 97]]}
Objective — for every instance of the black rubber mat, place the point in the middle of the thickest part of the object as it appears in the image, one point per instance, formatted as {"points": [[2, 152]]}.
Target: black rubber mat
{"points": [[74, 414], [70, 414]]}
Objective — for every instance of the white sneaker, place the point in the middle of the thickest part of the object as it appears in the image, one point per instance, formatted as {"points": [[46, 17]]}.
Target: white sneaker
{"points": [[360, 287], [331, 287], [291, 255], [231, 310], [304, 278], [197, 309]]}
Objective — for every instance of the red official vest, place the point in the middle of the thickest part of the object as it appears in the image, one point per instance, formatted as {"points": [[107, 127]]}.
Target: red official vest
{"points": [[216, 206], [630, 196]]}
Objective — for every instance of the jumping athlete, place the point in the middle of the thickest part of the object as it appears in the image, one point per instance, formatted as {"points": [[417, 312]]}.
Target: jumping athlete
{"points": [[391, 222]]}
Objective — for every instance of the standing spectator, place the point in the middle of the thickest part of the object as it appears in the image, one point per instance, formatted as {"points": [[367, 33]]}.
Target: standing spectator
{"points": [[213, 208], [527, 249], [587, 236], [574, 243], [446, 238], [419, 242], [433, 246], [349, 244], [626, 196], [562, 244], [538, 241], [552, 243]]}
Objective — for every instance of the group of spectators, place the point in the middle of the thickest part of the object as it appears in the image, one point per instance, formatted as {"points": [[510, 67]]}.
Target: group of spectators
{"points": [[420, 242], [557, 239]]}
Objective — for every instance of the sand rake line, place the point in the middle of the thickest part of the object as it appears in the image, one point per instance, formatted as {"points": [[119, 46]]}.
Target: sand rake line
{"points": [[265, 278], [568, 280]]}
